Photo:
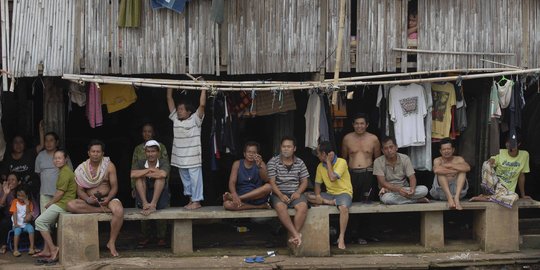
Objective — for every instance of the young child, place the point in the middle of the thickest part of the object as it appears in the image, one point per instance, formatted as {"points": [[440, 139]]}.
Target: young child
{"points": [[21, 209]]}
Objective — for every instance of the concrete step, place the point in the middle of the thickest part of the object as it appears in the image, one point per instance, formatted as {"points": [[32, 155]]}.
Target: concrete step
{"points": [[529, 241], [529, 223]]}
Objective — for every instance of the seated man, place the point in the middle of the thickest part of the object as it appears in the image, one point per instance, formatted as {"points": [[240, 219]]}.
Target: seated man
{"points": [[152, 191], [334, 173], [450, 181], [502, 173], [288, 176], [392, 170], [97, 188], [247, 187]]}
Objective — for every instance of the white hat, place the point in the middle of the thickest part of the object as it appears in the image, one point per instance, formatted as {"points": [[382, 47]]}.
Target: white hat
{"points": [[152, 143]]}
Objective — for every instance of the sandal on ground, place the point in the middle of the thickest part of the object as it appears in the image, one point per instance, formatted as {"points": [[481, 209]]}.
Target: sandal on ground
{"points": [[31, 251], [16, 253], [143, 243], [162, 243], [3, 249]]}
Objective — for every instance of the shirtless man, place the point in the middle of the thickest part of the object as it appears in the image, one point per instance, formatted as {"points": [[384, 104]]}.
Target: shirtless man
{"points": [[360, 148], [450, 181], [97, 187]]}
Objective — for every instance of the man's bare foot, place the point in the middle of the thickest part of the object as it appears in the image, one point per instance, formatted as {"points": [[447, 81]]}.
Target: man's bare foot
{"points": [[193, 205], [264, 206], [458, 205], [451, 204], [148, 211], [227, 196], [41, 254], [187, 205], [480, 198], [423, 200], [112, 249], [329, 202], [54, 254], [341, 243]]}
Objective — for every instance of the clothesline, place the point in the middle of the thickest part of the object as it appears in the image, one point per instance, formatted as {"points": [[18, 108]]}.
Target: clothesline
{"points": [[277, 86]]}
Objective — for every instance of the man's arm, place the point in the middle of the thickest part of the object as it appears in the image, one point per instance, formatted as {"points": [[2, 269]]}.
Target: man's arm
{"points": [[330, 167], [233, 178], [521, 184], [138, 173], [345, 148], [157, 173], [384, 184], [113, 181], [41, 144], [438, 168], [202, 104], [376, 148], [170, 100], [57, 196], [412, 184]]}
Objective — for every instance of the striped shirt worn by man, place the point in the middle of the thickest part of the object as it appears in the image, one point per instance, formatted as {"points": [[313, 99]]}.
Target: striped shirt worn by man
{"points": [[186, 149], [287, 178]]}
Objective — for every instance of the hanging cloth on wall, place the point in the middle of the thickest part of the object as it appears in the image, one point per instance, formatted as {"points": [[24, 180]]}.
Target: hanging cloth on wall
{"points": [[313, 115], [494, 106], [505, 93], [407, 110], [444, 98], [129, 13], [176, 5], [514, 115], [421, 155], [93, 107], [117, 97], [267, 103]]}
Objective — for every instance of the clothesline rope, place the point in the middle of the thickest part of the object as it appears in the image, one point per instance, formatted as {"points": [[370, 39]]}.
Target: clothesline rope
{"points": [[277, 86]]}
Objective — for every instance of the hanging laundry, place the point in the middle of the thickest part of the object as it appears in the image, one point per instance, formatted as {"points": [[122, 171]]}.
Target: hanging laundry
{"points": [[267, 103], [239, 101], [117, 97], [407, 110], [77, 94], [129, 13], [421, 155], [444, 97], [313, 115], [324, 133], [505, 92], [514, 115], [461, 108], [176, 5], [93, 106]]}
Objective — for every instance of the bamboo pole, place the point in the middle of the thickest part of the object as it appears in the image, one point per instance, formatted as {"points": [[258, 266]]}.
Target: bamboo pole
{"points": [[450, 52], [5, 41], [206, 85], [501, 64], [339, 46]]}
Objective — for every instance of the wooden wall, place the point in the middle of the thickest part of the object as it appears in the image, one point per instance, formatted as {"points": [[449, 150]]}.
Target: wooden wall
{"points": [[266, 36]]}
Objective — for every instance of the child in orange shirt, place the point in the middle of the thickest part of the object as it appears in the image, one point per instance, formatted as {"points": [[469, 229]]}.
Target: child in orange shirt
{"points": [[21, 209]]}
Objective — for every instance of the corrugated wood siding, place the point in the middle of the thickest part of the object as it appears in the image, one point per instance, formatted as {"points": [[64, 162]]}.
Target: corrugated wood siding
{"points": [[534, 33], [468, 26], [272, 36], [97, 36], [379, 29], [202, 40], [42, 34], [332, 36], [158, 45]]}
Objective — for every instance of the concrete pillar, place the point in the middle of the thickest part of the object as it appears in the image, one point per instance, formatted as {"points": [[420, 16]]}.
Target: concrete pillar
{"points": [[432, 229], [315, 234], [497, 228], [78, 238], [182, 237]]}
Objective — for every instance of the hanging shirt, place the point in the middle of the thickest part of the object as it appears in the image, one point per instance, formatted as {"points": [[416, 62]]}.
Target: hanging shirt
{"points": [[117, 97], [494, 107], [421, 155], [407, 110], [505, 93], [186, 149], [509, 168], [313, 115], [444, 97]]}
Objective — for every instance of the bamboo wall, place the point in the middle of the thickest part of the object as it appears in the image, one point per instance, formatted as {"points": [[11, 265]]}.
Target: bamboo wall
{"points": [[266, 36]]}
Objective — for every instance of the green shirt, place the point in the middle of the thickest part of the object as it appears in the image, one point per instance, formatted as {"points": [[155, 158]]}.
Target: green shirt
{"points": [[139, 154], [509, 168], [66, 183]]}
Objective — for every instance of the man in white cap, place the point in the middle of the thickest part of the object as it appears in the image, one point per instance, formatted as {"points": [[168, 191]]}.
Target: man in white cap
{"points": [[152, 191]]}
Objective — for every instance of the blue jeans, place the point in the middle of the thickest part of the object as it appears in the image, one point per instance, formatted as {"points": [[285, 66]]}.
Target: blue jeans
{"points": [[28, 228], [193, 183]]}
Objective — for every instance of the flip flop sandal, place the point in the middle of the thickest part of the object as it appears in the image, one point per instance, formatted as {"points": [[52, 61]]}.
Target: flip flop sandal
{"points": [[16, 253], [51, 262], [41, 261], [143, 243], [259, 259], [249, 260]]}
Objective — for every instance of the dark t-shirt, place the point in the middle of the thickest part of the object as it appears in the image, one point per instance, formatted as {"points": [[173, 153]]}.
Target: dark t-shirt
{"points": [[23, 167]]}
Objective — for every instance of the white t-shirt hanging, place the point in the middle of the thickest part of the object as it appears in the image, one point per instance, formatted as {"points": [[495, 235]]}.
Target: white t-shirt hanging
{"points": [[407, 110]]}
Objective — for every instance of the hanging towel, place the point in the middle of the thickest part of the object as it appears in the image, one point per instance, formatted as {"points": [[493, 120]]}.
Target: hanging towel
{"points": [[93, 106], [129, 13], [267, 103], [505, 93], [313, 115], [117, 97], [176, 5]]}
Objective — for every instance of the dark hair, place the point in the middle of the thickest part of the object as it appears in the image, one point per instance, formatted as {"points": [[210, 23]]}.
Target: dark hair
{"points": [[361, 115], [252, 143], [62, 151], [288, 138], [96, 142], [148, 124], [386, 139], [187, 105], [445, 141], [52, 133], [14, 174], [325, 147], [25, 189]]}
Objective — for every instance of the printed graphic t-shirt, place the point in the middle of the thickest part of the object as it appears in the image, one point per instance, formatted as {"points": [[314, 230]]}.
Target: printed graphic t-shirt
{"points": [[444, 97], [508, 168], [407, 110]]}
